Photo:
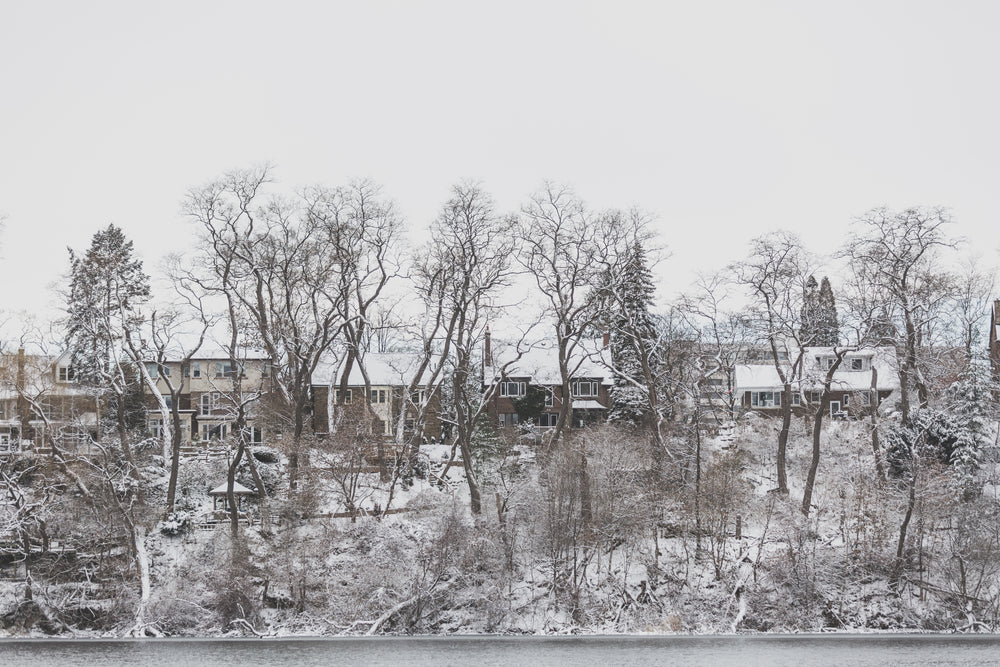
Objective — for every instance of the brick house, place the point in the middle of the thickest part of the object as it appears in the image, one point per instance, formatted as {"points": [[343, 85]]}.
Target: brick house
{"points": [[508, 379]]}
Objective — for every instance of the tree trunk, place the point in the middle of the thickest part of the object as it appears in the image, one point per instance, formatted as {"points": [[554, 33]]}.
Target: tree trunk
{"points": [[786, 424], [814, 464], [876, 448], [911, 502], [175, 456], [234, 517]]}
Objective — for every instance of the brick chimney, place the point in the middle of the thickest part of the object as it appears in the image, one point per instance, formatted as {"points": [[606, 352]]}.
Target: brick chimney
{"points": [[607, 339], [487, 351]]}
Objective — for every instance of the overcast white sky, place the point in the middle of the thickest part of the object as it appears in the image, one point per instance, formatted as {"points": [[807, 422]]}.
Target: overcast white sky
{"points": [[724, 119]]}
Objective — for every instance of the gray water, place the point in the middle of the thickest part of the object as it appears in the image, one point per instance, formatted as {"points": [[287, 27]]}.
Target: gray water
{"points": [[603, 651]]}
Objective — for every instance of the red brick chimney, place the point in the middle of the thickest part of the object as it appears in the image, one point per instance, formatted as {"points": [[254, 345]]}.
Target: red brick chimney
{"points": [[607, 339]]}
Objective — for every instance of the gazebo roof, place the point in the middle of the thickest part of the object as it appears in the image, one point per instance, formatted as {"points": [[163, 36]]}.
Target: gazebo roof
{"points": [[238, 489]]}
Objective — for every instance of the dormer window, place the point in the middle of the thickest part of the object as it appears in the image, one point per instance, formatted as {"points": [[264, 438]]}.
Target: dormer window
{"points": [[857, 364], [585, 388]]}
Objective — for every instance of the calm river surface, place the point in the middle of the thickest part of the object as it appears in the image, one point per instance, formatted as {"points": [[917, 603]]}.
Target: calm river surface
{"points": [[603, 651]]}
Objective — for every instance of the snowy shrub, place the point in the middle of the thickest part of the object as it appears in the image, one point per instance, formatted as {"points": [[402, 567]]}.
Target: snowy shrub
{"points": [[266, 455], [939, 437], [177, 523]]}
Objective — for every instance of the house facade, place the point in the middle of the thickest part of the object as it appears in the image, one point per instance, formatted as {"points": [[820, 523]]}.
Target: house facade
{"points": [[394, 414], [42, 404], [760, 389], [527, 386], [206, 400]]}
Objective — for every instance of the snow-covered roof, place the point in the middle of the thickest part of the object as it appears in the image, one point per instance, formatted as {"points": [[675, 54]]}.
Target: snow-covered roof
{"points": [[223, 489], [392, 369], [883, 359], [540, 363]]}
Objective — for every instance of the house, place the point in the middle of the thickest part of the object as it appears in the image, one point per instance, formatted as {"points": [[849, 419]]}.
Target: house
{"points": [[204, 387], [41, 403], [509, 379], [760, 388], [389, 376]]}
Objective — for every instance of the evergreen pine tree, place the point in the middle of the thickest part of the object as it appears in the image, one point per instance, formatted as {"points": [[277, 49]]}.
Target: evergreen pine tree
{"points": [[107, 287], [810, 305], [632, 329], [827, 328]]}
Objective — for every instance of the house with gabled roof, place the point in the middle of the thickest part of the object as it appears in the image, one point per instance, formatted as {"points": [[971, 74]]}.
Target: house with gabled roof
{"points": [[760, 387], [389, 375], [509, 375], [41, 403]]}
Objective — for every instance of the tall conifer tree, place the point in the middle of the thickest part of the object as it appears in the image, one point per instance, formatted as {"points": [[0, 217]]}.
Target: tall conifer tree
{"points": [[632, 331]]}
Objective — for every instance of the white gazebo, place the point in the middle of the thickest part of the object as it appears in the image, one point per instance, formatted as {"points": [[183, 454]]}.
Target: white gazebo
{"points": [[221, 491]]}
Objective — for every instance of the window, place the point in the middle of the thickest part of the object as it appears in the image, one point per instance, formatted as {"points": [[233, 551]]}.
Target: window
{"points": [[417, 397], [196, 369], [866, 398], [847, 398], [66, 374], [153, 370], [548, 419], [208, 402], [765, 399], [347, 397], [815, 396], [214, 431], [169, 400], [857, 364], [549, 397], [512, 389], [155, 427], [224, 369], [508, 419], [377, 396], [408, 425], [585, 388], [254, 434], [265, 369], [796, 398]]}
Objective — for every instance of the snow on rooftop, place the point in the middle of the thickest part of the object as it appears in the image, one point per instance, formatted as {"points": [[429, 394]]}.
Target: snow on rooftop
{"points": [[391, 369], [540, 362], [883, 359]]}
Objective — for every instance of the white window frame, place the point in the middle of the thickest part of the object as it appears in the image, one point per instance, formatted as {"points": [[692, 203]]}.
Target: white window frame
{"points": [[518, 387], [758, 400], [796, 398], [65, 374], [859, 362], [593, 389], [205, 407], [196, 369], [866, 398]]}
